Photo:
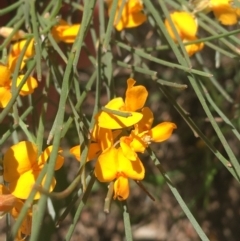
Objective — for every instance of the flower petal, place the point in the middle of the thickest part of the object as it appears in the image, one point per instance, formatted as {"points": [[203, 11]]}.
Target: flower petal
{"points": [[5, 96], [131, 169], [112, 121], [127, 150], [121, 188], [106, 165], [146, 122], [162, 131], [5, 74], [18, 159], [185, 31], [22, 187], [135, 96], [29, 86], [7, 200], [42, 159], [69, 34]]}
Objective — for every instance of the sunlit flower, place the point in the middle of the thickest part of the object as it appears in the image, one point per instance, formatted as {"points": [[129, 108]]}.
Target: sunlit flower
{"points": [[6, 83], [187, 32], [143, 134], [22, 167], [128, 16], [101, 139], [113, 165], [10, 204], [135, 99], [16, 50], [65, 32], [224, 11]]}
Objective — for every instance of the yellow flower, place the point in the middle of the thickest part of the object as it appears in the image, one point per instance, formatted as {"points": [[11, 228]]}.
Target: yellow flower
{"points": [[65, 32], [112, 165], [135, 99], [9, 203], [22, 167], [187, 32], [101, 139], [130, 16], [224, 11], [6, 82], [143, 134]]}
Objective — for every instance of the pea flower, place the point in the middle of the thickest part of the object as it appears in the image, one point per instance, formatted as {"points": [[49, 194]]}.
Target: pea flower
{"points": [[143, 134], [129, 16], [65, 32], [6, 83], [187, 32], [135, 99], [22, 167], [223, 10], [113, 165], [11, 204]]}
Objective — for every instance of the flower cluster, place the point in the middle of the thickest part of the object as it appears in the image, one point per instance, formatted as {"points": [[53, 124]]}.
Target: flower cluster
{"points": [[123, 129], [21, 168]]}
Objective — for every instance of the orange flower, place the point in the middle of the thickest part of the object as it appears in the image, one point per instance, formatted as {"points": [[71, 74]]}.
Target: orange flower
{"points": [[22, 167], [187, 32], [135, 99], [129, 16], [13, 205], [65, 32], [143, 134], [112, 164]]}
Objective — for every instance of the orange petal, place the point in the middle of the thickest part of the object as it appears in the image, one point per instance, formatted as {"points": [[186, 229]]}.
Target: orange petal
{"points": [[22, 187], [5, 74], [135, 96], [193, 48], [5, 96], [121, 188], [18, 159], [106, 165], [146, 122], [162, 131], [29, 85], [44, 157], [131, 169], [18, 47], [76, 152], [7, 200], [137, 144]]}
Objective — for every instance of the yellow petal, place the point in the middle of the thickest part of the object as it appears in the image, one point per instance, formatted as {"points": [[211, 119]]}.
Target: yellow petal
{"points": [[106, 165], [22, 187], [12, 61], [135, 96], [139, 142], [162, 131], [131, 16], [102, 136], [5, 74], [42, 159], [130, 169], [115, 104], [18, 47], [5, 96], [121, 188], [112, 121], [18, 159], [185, 31], [127, 150], [29, 85], [69, 34]]}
